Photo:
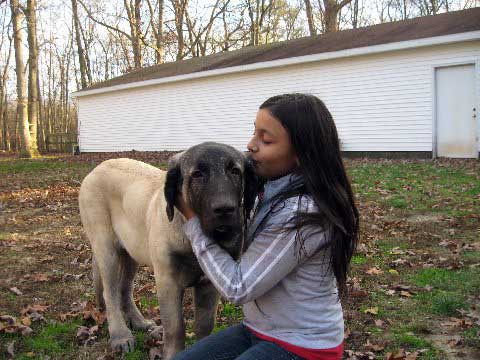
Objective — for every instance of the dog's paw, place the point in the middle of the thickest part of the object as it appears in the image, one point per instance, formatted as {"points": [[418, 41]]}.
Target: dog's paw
{"points": [[124, 344]]}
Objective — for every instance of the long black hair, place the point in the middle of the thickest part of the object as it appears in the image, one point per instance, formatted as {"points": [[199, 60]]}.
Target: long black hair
{"points": [[314, 137]]}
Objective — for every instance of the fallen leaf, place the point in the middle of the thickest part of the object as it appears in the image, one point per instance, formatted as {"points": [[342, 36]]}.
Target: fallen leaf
{"points": [[373, 347], [69, 277], [87, 336], [106, 357], [358, 293], [454, 342], [47, 259], [40, 277], [374, 271], [379, 323], [34, 308], [11, 349], [10, 320], [399, 355], [405, 293], [16, 291], [412, 356], [82, 334], [26, 321], [373, 310]]}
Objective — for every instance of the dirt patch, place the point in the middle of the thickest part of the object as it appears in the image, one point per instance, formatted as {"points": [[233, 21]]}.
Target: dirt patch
{"points": [[424, 218], [451, 345]]}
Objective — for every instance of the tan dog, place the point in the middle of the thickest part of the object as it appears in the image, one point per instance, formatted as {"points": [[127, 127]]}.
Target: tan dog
{"points": [[127, 210]]}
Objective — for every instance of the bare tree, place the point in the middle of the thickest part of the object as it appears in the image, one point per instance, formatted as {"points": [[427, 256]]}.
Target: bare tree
{"points": [[257, 11], [136, 37], [329, 11], [311, 23], [179, 9], [85, 75], [199, 36], [22, 111], [135, 22], [157, 30], [3, 93], [33, 107]]}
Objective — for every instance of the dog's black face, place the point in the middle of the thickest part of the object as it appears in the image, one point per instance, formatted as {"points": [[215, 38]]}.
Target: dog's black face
{"points": [[219, 184]]}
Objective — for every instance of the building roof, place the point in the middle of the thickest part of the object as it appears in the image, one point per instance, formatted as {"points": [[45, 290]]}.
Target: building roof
{"points": [[412, 29]]}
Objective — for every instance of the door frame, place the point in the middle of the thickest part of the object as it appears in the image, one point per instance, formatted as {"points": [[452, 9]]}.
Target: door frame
{"points": [[476, 68]]}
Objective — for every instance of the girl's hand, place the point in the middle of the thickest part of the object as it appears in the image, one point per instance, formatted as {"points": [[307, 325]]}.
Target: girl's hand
{"points": [[182, 206]]}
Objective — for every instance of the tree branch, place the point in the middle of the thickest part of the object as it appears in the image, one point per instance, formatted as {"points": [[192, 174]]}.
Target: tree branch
{"points": [[89, 13]]}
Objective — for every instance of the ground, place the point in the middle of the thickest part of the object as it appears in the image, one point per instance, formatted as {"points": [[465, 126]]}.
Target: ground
{"points": [[414, 289]]}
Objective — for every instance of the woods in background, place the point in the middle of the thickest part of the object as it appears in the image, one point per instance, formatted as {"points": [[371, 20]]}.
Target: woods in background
{"points": [[49, 49]]}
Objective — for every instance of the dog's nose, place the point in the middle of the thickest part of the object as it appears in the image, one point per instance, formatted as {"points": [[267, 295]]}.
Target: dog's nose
{"points": [[223, 211]]}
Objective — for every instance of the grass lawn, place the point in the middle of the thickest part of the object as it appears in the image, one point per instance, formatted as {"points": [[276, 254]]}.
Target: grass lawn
{"points": [[414, 286]]}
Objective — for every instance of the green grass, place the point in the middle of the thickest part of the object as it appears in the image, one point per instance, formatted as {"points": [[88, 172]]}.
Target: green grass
{"points": [[147, 302], [411, 341], [54, 339], [464, 281], [36, 165], [473, 256], [140, 352], [421, 187], [472, 337], [231, 310], [359, 259], [450, 289]]}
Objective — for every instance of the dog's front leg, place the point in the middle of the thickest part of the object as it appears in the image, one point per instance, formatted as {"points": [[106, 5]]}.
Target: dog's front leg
{"points": [[206, 303], [170, 297]]}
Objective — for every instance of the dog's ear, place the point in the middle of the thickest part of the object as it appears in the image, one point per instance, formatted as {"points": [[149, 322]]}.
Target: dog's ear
{"points": [[251, 187], [173, 184]]}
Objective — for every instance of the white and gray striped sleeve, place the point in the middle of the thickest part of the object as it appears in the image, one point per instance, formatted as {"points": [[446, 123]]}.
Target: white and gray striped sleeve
{"points": [[270, 257]]}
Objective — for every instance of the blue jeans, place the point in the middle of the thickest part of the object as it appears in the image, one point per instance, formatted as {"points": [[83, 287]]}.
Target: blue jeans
{"points": [[237, 343]]}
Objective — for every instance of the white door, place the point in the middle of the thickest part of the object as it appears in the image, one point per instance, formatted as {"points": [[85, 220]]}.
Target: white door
{"points": [[456, 113]]}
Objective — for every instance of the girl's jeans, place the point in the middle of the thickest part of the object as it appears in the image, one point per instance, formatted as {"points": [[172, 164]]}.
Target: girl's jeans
{"points": [[236, 343]]}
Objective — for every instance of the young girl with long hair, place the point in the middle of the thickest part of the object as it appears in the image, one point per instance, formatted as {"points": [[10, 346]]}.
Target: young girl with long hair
{"points": [[299, 242]]}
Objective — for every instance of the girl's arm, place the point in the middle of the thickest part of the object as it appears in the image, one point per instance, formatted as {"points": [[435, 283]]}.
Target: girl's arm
{"points": [[271, 256]]}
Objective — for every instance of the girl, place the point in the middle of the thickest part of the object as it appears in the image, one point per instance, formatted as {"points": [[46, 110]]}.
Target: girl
{"points": [[300, 242]]}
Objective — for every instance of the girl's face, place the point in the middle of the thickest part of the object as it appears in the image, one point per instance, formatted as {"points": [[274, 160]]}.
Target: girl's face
{"points": [[270, 147]]}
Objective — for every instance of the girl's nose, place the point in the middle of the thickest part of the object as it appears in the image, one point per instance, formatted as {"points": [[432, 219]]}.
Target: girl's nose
{"points": [[251, 146]]}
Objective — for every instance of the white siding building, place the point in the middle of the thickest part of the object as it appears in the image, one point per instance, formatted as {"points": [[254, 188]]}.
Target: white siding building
{"points": [[410, 87]]}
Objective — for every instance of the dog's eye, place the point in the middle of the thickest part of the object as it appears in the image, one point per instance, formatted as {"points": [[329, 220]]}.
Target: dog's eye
{"points": [[236, 171], [197, 174]]}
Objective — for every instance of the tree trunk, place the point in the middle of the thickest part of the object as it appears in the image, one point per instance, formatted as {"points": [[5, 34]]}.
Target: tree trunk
{"points": [[7, 140], [330, 14], [311, 23], [22, 111], [32, 75], [160, 42], [85, 81], [355, 14], [179, 7], [4, 99], [135, 20]]}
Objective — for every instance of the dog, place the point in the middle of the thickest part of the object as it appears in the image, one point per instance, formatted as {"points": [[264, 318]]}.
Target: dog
{"points": [[128, 214]]}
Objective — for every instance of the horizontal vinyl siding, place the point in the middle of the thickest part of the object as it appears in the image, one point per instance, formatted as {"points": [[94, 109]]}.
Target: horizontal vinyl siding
{"points": [[381, 102]]}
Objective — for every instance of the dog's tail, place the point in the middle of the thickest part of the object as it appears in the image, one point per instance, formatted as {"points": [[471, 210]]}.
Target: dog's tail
{"points": [[98, 286]]}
